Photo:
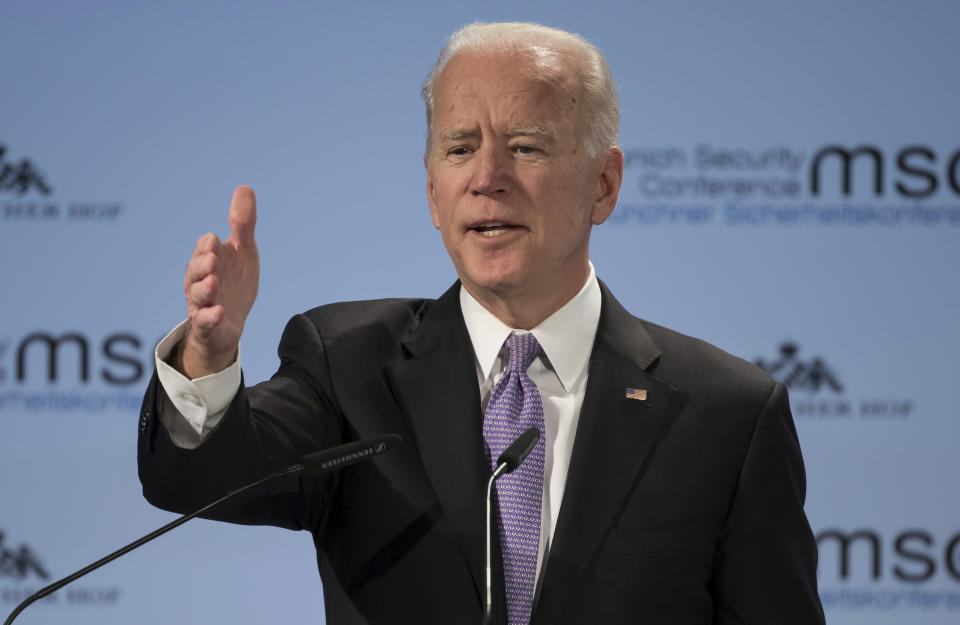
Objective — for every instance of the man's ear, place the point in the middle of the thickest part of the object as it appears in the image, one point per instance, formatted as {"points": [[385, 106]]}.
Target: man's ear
{"points": [[431, 193], [608, 186]]}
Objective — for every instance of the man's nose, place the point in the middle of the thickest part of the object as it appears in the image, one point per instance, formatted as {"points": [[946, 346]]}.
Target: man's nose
{"points": [[491, 175]]}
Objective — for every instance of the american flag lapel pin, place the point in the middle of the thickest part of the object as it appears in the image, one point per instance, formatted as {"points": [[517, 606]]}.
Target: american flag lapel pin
{"points": [[640, 394]]}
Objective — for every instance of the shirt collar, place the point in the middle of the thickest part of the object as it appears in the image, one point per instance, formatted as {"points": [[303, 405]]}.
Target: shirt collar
{"points": [[566, 336]]}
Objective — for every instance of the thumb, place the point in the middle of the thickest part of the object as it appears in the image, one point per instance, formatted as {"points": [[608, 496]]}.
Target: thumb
{"points": [[243, 215]]}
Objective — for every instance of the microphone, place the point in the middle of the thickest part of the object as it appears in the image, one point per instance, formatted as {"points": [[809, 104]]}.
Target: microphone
{"points": [[509, 460], [320, 462], [311, 465], [518, 450]]}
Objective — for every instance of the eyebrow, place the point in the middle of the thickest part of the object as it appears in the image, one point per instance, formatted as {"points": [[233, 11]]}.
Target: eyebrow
{"points": [[458, 134], [530, 131]]}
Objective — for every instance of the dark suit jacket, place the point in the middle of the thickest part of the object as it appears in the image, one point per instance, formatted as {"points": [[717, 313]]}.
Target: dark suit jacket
{"points": [[684, 508]]}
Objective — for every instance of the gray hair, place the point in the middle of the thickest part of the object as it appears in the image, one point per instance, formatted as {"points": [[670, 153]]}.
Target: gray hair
{"points": [[601, 105]]}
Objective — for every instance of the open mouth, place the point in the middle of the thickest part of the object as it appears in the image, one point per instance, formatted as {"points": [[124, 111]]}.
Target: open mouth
{"points": [[493, 228]]}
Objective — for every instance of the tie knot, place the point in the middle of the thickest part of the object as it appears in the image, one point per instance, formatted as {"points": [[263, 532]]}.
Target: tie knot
{"points": [[523, 349]]}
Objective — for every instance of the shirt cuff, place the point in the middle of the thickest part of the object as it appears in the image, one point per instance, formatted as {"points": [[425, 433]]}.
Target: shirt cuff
{"points": [[201, 401]]}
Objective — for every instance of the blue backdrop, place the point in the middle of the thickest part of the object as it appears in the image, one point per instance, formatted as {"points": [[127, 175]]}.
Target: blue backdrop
{"points": [[805, 156]]}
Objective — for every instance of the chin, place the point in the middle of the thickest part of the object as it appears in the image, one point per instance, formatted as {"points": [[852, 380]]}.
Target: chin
{"points": [[495, 281]]}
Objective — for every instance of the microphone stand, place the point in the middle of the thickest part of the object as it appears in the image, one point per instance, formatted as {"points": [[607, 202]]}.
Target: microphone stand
{"points": [[488, 578], [511, 458], [311, 465], [52, 588]]}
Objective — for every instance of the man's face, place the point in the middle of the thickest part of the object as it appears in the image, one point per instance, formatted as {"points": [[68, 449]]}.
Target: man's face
{"points": [[510, 187]]}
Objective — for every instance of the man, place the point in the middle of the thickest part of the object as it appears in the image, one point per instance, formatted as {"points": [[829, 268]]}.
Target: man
{"points": [[668, 486]]}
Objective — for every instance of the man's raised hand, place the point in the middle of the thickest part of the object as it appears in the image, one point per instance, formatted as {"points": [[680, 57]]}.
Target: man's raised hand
{"points": [[220, 286]]}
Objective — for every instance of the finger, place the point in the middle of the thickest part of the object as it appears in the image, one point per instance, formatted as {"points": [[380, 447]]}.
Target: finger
{"points": [[199, 268], [207, 318], [206, 244], [202, 293], [243, 216]]}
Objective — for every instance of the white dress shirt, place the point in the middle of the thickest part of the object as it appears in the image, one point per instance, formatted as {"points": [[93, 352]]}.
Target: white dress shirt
{"points": [[195, 407], [560, 374]]}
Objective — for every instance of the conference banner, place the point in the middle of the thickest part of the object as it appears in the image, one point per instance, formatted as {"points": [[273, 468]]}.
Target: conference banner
{"points": [[791, 194]]}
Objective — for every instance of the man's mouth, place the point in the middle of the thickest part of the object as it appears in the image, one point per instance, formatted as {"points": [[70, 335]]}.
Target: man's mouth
{"points": [[492, 228]]}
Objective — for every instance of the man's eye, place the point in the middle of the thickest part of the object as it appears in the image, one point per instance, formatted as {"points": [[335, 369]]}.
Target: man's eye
{"points": [[459, 151], [525, 149]]}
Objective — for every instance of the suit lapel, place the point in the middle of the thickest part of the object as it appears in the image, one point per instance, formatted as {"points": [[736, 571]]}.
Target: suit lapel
{"points": [[614, 438], [436, 386]]}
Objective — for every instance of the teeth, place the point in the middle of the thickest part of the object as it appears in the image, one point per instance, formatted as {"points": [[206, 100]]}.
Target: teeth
{"points": [[492, 228], [492, 233]]}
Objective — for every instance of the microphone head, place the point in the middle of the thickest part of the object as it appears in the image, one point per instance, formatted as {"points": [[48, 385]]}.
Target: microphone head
{"points": [[320, 462], [518, 450]]}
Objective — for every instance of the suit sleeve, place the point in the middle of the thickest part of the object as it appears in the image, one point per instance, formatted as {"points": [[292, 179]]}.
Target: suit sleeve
{"points": [[766, 565], [267, 427]]}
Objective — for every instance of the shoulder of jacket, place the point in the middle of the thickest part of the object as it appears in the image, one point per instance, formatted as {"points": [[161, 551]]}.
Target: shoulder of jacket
{"points": [[394, 314], [687, 355]]}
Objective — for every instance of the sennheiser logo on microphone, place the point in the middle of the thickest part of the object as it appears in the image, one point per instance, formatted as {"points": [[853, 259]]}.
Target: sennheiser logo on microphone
{"points": [[369, 451]]}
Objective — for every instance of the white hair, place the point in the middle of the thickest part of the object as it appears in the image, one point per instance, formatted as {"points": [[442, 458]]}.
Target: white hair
{"points": [[602, 109]]}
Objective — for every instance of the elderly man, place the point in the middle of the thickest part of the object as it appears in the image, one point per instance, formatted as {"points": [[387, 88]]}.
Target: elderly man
{"points": [[668, 486]]}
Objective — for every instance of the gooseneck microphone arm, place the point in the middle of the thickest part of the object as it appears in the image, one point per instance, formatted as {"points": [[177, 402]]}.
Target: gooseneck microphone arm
{"points": [[311, 465], [488, 574], [510, 459]]}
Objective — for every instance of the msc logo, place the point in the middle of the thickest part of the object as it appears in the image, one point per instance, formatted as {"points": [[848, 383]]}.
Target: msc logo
{"points": [[909, 556], [71, 355], [20, 562], [917, 172], [812, 375], [20, 177]]}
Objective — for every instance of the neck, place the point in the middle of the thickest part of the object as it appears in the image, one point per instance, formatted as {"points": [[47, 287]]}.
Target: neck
{"points": [[524, 309]]}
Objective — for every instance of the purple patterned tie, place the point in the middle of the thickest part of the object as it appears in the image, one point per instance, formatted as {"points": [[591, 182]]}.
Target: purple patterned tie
{"points": [[514, 407]]}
